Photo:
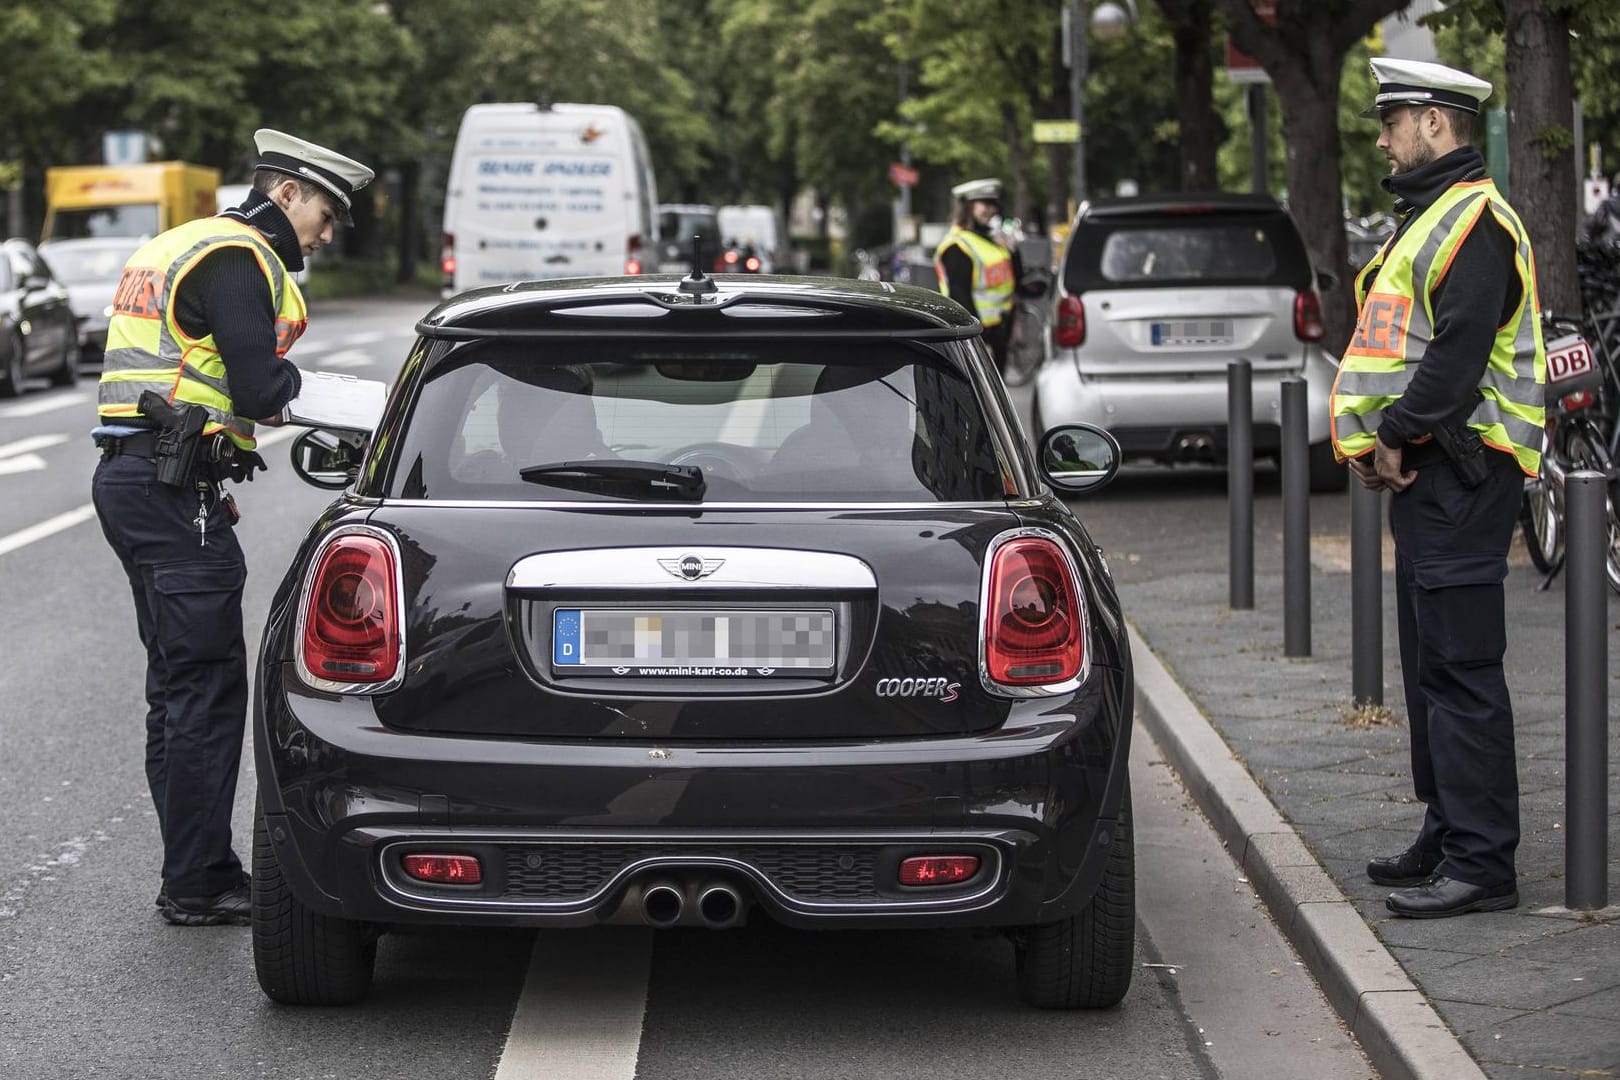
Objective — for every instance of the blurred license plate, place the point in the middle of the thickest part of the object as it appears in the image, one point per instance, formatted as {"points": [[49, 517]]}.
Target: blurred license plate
{"points": [[703, 644], [1193, 332]]}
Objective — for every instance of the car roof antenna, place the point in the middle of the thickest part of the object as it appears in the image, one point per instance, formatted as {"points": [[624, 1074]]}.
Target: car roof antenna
{"points": [[697, 283]]}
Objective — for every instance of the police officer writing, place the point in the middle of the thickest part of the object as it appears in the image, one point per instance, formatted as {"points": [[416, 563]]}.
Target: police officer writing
{"points": [[1439, 400], [976, 266], [196, 352]]}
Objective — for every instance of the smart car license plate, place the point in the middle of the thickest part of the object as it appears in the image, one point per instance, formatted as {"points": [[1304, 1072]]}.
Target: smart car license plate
{"points": [[1181, 332], [688, 643]]}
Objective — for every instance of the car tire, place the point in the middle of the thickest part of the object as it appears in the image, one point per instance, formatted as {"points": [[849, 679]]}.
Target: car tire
{"points": [[299, 956], [1327, 473], [68, 373], [1086, 961], [12, 373]]}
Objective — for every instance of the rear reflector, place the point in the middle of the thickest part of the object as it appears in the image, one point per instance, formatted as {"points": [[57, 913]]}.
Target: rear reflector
{"points": [[444, 869], [938, 869]]}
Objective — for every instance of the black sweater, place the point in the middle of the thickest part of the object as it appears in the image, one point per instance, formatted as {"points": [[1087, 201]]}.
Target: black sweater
{"points": [[226, 293], [1478, 294]]}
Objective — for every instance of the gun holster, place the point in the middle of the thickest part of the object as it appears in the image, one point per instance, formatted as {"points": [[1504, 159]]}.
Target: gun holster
{"points": [[1463, 446], [179, 438]]}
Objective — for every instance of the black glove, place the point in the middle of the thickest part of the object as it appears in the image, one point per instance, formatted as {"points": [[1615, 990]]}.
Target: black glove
{"points": [[244, 465]]}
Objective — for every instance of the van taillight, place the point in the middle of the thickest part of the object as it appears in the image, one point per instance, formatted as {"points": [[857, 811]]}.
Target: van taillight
{"points": [[1069, 332], [351, 616], [632, 256], [1308, 324], [447, 259], [1034, 627]]}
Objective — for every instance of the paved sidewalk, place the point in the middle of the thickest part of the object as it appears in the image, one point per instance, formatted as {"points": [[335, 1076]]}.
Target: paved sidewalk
{"points": [[1531, 992]]}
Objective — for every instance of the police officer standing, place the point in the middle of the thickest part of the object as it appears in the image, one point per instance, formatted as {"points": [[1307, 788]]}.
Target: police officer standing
{"points": [[196, 346], [1439, 400], [976, 266]]}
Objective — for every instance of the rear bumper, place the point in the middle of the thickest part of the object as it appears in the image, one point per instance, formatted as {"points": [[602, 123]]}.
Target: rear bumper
{"points": [[571, 833], [1150, 415]]}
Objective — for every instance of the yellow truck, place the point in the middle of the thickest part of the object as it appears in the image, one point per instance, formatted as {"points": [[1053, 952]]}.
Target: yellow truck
{"points": [[83, 201]]}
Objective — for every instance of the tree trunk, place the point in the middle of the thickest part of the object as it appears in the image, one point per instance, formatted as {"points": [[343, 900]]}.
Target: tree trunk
{"points": [[1310, 127], [1192, 27], [1541, 145], [410, 221], [1019, 159]]}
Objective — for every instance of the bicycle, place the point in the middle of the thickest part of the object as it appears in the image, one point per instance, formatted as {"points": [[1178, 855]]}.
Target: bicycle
{"points": [[1026, 343], [1579, 378]]}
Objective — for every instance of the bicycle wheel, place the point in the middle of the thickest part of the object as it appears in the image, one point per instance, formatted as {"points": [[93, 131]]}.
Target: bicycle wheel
{"points": [[1025, 345], [1541, 518], [1586, 451]]}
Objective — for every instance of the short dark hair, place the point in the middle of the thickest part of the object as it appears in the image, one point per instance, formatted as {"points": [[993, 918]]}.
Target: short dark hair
{"points": [[267, 180], [1464, 124]]}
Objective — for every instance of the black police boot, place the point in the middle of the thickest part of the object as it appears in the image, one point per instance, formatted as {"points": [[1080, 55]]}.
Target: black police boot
{"points": [[1411, 867], [1441, 897], [233, 907]]}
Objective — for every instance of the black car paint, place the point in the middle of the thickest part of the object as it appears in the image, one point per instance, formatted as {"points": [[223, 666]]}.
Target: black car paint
{"points": [[482, 757]]}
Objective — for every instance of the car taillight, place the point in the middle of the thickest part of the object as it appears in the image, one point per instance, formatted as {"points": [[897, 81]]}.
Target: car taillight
{"points": [[447, 259], [632, 256], [938, 869], [752, 265], [632, 266], [444, 869], [351, 621], [1069, 332], [730, 258], [1034, 629], [1308, 324]]}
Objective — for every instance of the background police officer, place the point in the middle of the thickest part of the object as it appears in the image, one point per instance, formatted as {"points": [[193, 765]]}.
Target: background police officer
{"points": [[977, 267], [203, 317], [1438, 399]]}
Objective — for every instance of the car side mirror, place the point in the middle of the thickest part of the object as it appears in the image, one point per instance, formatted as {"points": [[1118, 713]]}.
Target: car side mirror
{"points": [[328, 459], [1077, 458], [1327, 280]]}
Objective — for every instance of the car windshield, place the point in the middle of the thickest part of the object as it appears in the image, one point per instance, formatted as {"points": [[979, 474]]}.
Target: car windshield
{"points": [[76, 264], [1249, 250], [787, 422], [136, 220]]}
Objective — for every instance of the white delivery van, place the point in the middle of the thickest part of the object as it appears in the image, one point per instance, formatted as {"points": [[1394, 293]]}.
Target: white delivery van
{"points": [[755, 227], [546, 191]]}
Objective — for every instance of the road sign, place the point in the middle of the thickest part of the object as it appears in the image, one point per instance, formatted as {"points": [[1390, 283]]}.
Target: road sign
{"points": [[123, 148], [1057, 131], [902, 175]]}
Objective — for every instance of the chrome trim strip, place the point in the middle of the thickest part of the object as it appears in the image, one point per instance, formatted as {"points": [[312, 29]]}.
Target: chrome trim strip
{"points": [[687, 507], [308, 677], [1044, 689], [402, 896], [739, 568]]}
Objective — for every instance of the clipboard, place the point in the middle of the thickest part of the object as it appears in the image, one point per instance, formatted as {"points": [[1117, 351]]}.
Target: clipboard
{"points": [[330, 399]]}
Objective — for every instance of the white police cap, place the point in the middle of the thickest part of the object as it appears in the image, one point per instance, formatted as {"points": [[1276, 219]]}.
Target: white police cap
{"points": [[1418, 82], [339, 176], [988, 189]]}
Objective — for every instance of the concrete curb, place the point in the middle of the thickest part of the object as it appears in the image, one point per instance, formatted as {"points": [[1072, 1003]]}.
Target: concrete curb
{"points": [[1399, 1030]]}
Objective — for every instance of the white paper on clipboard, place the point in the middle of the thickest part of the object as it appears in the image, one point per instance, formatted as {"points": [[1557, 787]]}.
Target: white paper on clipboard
{"points": [[330, 399]]}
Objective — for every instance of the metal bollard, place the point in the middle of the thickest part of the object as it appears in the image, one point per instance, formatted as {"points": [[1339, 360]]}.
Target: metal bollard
{"points": [[1296, 499], [1240, 481], [1586, 692], [1366, 595]]}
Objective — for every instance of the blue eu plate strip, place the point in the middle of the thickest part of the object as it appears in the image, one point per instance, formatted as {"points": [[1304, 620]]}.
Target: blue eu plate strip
{"points": [[565, 638]]}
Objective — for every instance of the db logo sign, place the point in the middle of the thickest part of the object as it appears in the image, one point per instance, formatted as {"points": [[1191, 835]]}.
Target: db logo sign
{"points": [[1568, 357], [940, 688]]}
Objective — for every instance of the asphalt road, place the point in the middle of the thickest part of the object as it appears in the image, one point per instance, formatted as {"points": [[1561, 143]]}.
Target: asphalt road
{"points": [[94, 984]]}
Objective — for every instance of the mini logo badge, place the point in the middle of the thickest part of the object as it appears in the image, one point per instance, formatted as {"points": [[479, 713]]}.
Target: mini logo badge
{"points": [[691, 567]]}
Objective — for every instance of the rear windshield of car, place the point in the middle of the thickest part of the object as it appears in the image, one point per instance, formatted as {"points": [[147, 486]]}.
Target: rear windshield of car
{"points": [[679, 226], [1197, 250], [776, 422]]}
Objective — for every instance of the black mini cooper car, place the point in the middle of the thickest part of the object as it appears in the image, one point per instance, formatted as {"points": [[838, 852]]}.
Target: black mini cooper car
{"points": [[676, 601]]}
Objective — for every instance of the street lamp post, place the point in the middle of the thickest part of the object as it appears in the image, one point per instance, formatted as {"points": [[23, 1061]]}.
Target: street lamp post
{"points": [[1108, 21]]}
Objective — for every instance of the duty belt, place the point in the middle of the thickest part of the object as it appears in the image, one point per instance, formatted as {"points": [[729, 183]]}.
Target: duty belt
{"points": [[142, 445]]}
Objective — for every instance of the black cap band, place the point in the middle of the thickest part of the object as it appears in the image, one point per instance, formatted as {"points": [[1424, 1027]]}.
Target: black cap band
{"points": [[1392, 94], [340, 188]]}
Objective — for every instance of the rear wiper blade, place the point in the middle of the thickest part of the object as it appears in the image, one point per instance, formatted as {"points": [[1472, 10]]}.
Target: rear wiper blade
{"points": [[653, 479]]}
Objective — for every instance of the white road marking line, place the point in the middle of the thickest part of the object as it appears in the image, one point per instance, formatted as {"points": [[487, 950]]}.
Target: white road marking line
{"points": [[314, 348], [368, 338], [580, 1014], [48, 527], [42, 405], [32, 443], [346, 358], [21, 463]]}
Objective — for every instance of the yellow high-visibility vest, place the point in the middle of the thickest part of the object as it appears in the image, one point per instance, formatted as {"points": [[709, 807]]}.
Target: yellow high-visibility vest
{"points": [[1396, 324], [148, 350], [992, 273]]}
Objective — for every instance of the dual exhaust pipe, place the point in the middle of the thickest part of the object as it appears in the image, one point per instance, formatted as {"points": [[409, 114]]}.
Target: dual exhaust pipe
{"points": [[1196, 446], [716, 904]]}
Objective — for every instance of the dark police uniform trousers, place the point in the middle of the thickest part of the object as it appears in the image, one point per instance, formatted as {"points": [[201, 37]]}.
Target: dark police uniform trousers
{"points": [[1451, 545], [188, 608]]}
